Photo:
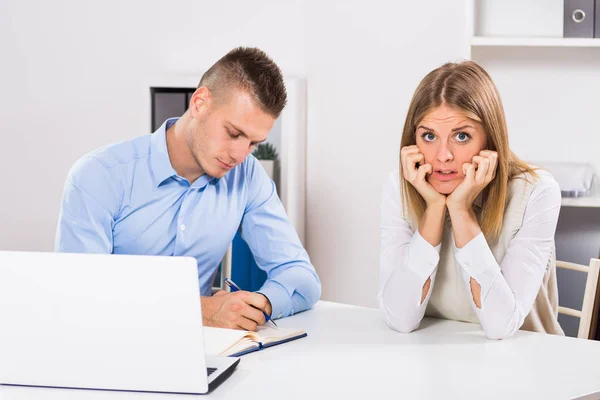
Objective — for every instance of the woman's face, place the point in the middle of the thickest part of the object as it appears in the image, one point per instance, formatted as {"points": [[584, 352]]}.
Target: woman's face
{"points": [[448, 139]]}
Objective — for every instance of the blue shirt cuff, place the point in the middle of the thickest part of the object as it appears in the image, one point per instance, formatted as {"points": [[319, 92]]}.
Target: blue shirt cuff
{"points": [[281, 305]]}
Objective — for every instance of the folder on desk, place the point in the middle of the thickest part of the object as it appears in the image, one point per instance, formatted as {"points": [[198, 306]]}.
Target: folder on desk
{"points": [[235, 343]]}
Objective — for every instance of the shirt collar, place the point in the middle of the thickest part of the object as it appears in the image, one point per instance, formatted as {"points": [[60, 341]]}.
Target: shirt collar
{"points": [[160, 161], [159, 155]]}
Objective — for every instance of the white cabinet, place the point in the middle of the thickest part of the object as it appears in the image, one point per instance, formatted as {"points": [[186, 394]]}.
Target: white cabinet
{"points": [[550, 87]]}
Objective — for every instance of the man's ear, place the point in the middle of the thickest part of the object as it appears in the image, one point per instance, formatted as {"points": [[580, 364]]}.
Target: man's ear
{"points": [[200, 102]]}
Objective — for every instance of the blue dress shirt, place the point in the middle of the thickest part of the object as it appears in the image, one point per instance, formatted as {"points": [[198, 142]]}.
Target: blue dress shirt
{"points": [[127, 199]]}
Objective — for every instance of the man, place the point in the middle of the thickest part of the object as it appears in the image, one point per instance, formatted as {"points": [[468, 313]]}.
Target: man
{"points": [[185, 190]]}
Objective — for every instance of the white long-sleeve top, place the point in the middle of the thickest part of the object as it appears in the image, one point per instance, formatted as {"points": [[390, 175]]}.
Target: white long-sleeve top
{"points": [[508, 287]]}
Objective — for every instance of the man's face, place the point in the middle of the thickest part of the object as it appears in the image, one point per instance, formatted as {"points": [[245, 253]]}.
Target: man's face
{"points": [[220, 136], [448, 139]]}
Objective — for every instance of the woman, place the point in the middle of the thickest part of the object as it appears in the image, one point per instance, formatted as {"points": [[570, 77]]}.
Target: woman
{"points": [[467, 230]]}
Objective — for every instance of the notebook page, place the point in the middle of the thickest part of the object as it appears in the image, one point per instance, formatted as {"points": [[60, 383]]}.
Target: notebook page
{"points": [[221, 341], [267, 334]]}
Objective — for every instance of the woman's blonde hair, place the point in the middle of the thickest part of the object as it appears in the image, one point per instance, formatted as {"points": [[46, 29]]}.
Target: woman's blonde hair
{"points": [[467, 87]]}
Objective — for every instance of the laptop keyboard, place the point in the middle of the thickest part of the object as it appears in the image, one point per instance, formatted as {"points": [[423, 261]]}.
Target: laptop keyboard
{"points": [[209, 371]]}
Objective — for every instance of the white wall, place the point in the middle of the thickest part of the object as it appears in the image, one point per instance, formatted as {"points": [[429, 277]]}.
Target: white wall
{"points": [[551, 95], [364, 60], [75, 77]]}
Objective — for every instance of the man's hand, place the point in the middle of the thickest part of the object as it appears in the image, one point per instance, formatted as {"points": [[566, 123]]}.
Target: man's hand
{"points": [[269, 307], [239, 310]]}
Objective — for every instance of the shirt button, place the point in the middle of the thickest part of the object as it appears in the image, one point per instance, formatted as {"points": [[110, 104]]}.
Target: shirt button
{"points": [[182, 227], [279, 316]]}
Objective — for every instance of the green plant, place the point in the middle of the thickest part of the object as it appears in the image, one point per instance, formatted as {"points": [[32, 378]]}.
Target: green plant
{"points": [[265, 151]]}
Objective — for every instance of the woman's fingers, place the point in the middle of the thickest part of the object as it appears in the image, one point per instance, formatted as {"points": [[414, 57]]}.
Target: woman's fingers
{"points": [[482, 165], [410, 166], [409, 149], [404, 153], [469, 172], [423, 171], [493, 157]]}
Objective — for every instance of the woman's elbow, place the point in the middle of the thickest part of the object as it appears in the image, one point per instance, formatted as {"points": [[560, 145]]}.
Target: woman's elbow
{"points": [[402, 324], [500, 331], [497, 335]]}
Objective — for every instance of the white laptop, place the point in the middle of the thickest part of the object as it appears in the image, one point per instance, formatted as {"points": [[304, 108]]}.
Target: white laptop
{"points": [[110, 322]]}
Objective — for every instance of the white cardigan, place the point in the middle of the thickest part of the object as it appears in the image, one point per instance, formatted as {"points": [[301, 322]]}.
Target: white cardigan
{"points": [[517, 273]]}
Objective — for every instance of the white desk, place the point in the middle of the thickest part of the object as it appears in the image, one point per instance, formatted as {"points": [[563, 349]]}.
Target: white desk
{"points": [[351, 353]]}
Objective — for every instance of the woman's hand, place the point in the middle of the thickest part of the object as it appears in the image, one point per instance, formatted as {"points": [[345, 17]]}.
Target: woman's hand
{"points": [[477, 176], [417, 176]]}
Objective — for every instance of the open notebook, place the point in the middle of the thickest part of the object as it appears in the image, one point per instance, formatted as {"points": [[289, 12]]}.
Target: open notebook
{"points": [[231, 342]]}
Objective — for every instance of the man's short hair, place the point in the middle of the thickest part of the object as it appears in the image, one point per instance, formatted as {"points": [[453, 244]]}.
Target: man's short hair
{"points": [[251, 70]]}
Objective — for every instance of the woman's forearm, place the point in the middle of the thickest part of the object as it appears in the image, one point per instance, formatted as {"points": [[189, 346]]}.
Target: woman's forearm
{"points": [[431, 228], [465, 227]]}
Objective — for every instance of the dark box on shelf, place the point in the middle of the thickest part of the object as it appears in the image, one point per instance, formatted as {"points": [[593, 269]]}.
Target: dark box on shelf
{"points": [[579, 19], [597, 23]]}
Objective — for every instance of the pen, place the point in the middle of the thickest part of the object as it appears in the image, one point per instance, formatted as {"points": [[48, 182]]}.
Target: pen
{"points": [[234, 288]]}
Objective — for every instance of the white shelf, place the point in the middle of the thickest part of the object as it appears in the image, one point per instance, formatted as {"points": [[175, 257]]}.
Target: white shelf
{"points": [[591, 201], [483, 41], [175, 81]]}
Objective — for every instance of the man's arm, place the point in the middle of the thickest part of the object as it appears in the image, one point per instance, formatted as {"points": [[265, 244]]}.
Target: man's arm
{"points": [[292, 284], [90, 202]]}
